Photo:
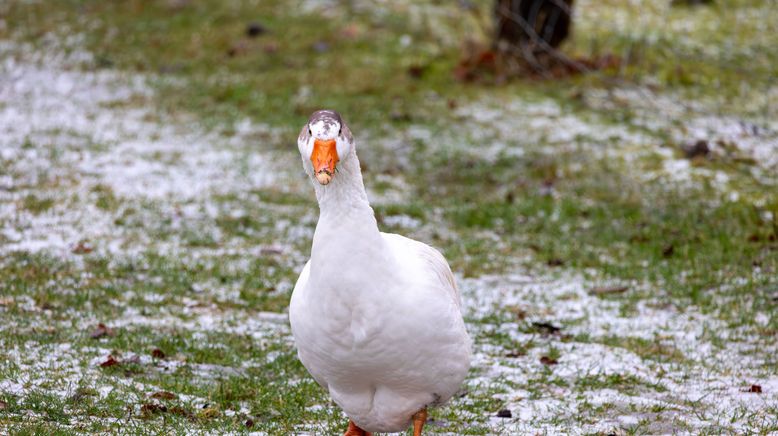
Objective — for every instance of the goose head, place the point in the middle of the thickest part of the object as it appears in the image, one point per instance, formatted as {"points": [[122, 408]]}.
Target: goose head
{"points": [[324, 141]]}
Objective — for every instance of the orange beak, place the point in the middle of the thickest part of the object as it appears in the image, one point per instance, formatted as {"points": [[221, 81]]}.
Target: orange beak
{"points": [[324, 159]]}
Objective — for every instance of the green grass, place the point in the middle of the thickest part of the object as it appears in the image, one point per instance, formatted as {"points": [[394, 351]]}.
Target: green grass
{"points": [[555, 207]]}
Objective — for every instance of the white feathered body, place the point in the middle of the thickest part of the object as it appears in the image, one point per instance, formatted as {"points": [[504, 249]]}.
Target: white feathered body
{"points": [[385, 339], [376, 317]]}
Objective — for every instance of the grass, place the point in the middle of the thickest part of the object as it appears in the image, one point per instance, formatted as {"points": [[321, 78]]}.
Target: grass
{"points": [[595, 206]]}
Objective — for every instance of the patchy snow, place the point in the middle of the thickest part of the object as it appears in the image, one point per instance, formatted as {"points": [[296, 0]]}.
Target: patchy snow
{"points": [[742, 139], [689, 121], [78, 136], [685, 376], [515, 126], [543, 121]]}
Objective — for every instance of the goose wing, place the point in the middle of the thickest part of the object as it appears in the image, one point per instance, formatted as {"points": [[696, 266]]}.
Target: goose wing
{"points": [[432, 259]]}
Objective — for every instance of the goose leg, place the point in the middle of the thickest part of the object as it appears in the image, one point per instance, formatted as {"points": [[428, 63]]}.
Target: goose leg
{"points": [[353, 430], [419, 418]]}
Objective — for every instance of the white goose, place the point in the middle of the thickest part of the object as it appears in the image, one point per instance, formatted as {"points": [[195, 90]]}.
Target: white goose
{"points": [[375, 316]]}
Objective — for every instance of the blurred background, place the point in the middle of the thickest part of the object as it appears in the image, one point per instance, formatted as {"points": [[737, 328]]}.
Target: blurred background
{"points": [[602, 177]]}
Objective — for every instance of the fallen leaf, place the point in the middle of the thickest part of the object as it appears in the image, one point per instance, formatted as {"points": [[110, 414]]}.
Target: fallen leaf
{"points": [[271, 249], [755, 389], [83, 247], [545, 360], [100, 331], [555, 262], [519, 312], [180, 411], [546, 328], [157, 353], [255, 29], [3, 405], [607, 290], [110, 361], [668, 250], [249, 423], [693, 149], [416, 71], [164, 395], [150, 408], [6, 301], [504, 413], [690, 2]]}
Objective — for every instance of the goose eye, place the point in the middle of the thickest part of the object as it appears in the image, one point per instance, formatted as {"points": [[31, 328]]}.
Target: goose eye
{"points": [[309, 132]]}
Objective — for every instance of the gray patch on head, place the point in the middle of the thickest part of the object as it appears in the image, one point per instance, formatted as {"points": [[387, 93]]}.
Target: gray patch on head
{"points": [[328, 119]]}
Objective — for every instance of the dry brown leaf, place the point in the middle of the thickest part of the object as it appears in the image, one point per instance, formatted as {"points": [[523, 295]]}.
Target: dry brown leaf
{"points": [[255, 29], [83, 247], [150, 408], [520, 312], [545, 327], [271, 250], [164, 395], [608, 290], [101, 330], [180, 411], [110, 361], [515, 354]]}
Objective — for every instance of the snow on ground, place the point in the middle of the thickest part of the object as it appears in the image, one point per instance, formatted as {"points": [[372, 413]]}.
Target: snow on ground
{"points": [[74, 136], [691, 121], [71, 135], [699, 385], [514, 126]]}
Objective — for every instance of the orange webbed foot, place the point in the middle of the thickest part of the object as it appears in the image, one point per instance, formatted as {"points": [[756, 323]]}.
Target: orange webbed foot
{"points": [[354, 430], [419, 418]]}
